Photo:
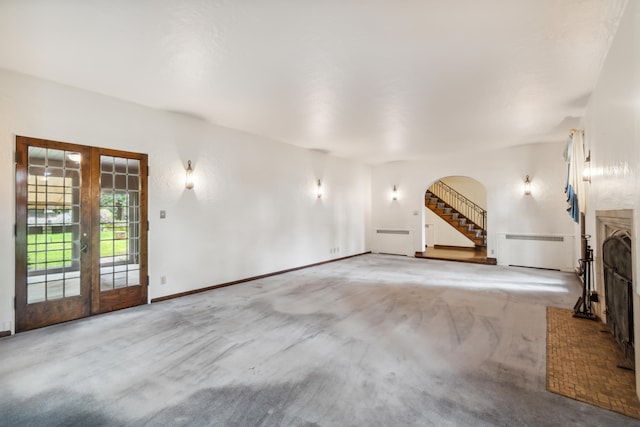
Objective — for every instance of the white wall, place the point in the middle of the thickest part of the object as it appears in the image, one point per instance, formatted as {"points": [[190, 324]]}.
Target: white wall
{"points": [[444, 233], [253, 209], [502, 173], [612, 133], [470, 188]]}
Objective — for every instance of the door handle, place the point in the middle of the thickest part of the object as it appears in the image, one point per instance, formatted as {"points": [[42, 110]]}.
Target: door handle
{"points": [[85, 245]]}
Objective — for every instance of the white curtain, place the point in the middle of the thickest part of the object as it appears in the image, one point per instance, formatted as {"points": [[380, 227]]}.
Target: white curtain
{"points": [[576, 197]]}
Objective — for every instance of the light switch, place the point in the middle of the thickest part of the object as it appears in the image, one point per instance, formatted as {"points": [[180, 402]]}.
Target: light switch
{"points": [[163, 214]]}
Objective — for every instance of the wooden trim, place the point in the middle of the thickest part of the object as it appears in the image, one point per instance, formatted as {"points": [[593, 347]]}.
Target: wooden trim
{"points": [[534, 268], [483, 261], [21, 232], [46, 143], [457, 248], [249, 279], [93, 224], [5, 334]]}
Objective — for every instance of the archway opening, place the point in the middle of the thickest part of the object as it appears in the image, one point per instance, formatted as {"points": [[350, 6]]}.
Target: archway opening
{"points": [[455, 220]]}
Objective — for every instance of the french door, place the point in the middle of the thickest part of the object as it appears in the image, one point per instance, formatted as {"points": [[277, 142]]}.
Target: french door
{"points": [[81, 231]]}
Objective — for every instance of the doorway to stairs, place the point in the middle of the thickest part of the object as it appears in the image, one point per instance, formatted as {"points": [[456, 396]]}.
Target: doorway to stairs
{"points": [[456, 220]]}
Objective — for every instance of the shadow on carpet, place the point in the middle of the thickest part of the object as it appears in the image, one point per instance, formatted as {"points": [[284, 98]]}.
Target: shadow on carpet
{"points": [[582, 360]]}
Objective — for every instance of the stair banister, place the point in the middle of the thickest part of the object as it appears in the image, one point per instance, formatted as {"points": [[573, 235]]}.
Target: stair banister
{"points": [[459, 202]]}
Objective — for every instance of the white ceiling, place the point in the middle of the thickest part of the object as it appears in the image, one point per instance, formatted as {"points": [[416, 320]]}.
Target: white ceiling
{"points": [[373, 80]]}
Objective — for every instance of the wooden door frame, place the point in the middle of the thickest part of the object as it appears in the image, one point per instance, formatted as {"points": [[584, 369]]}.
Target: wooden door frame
{"points": [[102, 302], [58, 311], [35, 315]]}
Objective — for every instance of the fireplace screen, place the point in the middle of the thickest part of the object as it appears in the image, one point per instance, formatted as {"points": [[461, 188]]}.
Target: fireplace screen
{"points": [[616, 254]]}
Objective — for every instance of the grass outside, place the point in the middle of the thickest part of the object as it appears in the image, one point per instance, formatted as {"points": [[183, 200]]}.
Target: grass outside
{"points": [[54, 250]]}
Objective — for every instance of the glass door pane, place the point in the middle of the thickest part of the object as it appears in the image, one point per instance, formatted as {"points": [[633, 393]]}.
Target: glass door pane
{"points": [[119, 223], [53, 224]]}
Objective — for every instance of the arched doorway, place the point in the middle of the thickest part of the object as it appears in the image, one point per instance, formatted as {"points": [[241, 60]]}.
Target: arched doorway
{"points": [[456, 219]]}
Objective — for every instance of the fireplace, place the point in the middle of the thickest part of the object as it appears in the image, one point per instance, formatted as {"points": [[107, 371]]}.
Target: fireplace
{"points": [[618, 290], [614, 273]]}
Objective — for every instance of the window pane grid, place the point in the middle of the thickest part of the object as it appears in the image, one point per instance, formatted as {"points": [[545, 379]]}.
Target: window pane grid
{"points": [[119, 223], [53, 186]]}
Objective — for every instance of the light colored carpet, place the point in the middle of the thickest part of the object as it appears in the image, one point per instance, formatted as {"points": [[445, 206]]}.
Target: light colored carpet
{"points": [[582, 360], [369, 341]]}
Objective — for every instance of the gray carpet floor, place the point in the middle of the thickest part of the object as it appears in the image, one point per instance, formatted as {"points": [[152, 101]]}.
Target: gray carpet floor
{"points": [[374, 340]]}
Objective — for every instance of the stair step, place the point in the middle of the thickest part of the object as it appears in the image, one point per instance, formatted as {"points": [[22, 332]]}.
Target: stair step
{"points": [[456, 219]]}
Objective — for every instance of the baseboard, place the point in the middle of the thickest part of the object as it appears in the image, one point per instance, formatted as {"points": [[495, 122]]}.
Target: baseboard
{"points": [[492, 261], [5, 334], [534, 268], [249, 279]]}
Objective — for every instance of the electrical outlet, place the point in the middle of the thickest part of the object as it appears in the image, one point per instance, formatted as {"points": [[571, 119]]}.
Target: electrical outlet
{"points": [[163, 280], [163, 214]]}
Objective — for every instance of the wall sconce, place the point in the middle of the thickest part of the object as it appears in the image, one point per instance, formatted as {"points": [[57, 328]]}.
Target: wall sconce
{"points": [[188, 183], [74, 157], [394, 193], [586, 172], [319, 190], [527, 186]]}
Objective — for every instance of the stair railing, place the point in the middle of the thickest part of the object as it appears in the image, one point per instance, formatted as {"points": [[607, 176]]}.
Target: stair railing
{"points": [[460, 203]]}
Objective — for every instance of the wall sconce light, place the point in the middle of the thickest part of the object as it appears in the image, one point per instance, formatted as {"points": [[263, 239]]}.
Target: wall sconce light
{"points": [[586, 172], [394, 193], [74, 157], [188, 183], [527, 186], [319, 190]]}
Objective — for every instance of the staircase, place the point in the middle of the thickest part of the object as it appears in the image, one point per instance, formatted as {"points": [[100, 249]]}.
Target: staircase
{"points": [[461, 213]]}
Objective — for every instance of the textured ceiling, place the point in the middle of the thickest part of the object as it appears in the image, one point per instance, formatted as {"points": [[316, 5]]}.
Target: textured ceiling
{"points": [[372, 80]]}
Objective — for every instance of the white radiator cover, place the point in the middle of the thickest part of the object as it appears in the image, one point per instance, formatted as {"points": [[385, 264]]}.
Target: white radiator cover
{"points": [[552, 251], [393, 241]]}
